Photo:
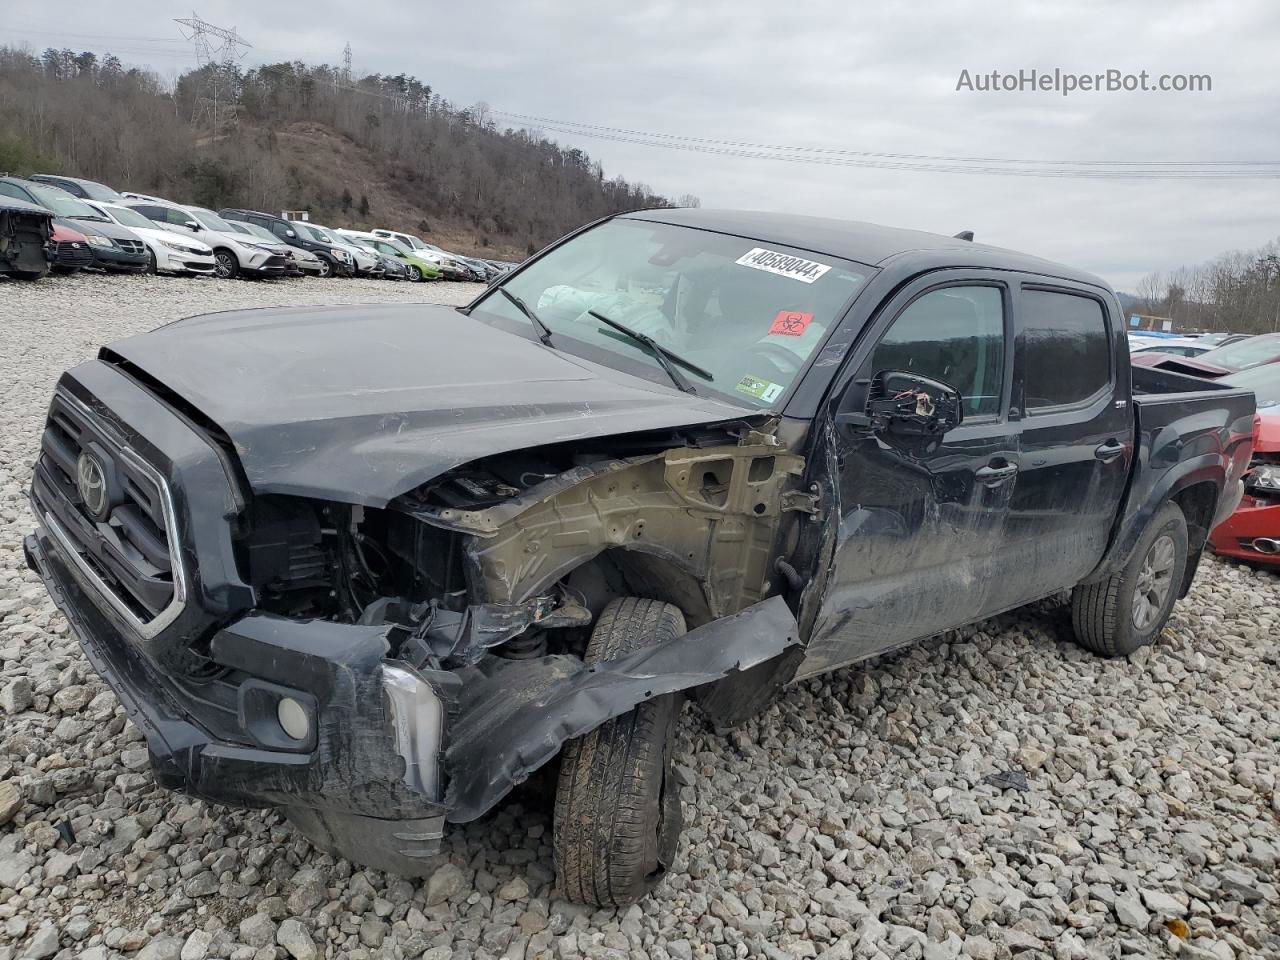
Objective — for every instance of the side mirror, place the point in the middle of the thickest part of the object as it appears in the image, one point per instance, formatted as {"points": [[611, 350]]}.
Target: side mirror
{"points": [[909, 405], [290, 233], [192, 226]]}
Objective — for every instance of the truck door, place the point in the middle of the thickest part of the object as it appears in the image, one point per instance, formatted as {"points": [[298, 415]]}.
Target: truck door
{"points": [[1077, 431], [922, 526]]}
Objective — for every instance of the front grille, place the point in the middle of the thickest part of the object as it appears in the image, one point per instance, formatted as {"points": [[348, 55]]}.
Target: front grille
{"points": [[129, 548], [197, 265], [131, 246], [275, 261], [72, 253]]}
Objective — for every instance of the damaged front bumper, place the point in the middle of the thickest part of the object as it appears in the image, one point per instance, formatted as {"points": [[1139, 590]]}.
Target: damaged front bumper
{"points": [[370, 755], [304, 715]]}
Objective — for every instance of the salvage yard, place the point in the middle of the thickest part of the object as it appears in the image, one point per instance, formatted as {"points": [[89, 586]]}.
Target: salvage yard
{"points": [[996, 792]]}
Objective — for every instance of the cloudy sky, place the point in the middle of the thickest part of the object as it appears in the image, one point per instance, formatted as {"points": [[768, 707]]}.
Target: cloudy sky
{"points": [[838, 75]]}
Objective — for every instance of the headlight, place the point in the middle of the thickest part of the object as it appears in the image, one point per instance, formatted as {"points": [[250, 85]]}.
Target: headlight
{"points": [[340, 254], [97, 241], [1265, 476], [180, 247]]}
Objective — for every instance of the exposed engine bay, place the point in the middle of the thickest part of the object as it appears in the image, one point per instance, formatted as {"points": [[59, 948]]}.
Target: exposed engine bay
{"points": [[513, 555]]}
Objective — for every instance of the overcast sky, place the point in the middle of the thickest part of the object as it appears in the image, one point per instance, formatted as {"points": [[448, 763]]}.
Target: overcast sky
{"points": [[876, 77]]}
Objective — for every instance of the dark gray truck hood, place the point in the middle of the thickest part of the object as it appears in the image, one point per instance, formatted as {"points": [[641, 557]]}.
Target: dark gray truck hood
{"points": [[363, 403]]}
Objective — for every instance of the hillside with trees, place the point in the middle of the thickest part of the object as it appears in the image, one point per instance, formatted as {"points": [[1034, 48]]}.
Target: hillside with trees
{"points": [[1238, 291], [368, 151]]}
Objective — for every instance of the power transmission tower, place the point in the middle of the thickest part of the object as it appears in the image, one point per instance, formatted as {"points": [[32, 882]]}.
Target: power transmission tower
{"points": [[346, 63], [217, 52]]}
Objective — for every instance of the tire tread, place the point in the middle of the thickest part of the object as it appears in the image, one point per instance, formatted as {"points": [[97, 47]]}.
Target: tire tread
{"points": [[605, 804]]}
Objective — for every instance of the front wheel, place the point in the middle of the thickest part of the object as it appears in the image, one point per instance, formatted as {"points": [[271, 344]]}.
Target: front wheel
{"points": [[414, 273], [225, 265], [1116, 616], [618, 816]]}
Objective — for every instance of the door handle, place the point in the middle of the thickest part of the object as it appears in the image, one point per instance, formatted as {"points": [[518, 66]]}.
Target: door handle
{"points": [[1109, 451], [993, 476]]}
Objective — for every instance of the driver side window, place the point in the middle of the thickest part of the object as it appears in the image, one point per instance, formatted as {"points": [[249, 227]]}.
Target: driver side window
{"points": [[956, 335]]}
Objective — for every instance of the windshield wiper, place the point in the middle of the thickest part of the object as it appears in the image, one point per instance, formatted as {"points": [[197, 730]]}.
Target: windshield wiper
{"points": [[544, 332], [665, 357]]}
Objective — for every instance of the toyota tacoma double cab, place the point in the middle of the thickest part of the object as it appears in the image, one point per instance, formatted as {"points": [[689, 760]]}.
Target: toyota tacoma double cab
{"points": [[374, 566]]}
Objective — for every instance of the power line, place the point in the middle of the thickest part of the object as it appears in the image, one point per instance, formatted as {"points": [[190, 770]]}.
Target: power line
{"points": [[1265, 173]]}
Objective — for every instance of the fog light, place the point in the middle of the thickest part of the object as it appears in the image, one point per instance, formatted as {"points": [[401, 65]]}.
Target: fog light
{"points": [[293, 718]]}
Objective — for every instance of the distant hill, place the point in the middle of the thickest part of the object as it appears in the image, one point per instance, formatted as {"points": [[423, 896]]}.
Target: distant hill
{"points": [[369, 151]]}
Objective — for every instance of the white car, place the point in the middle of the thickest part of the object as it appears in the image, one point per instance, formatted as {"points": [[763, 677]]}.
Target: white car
{"points": [[234, 254], [170, 253], [305, 261]]}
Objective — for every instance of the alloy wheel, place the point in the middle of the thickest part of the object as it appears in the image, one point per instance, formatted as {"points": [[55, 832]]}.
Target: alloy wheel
{"points": [[1155, 580]]}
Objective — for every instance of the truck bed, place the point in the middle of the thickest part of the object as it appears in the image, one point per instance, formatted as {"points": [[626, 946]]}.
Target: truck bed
{"points": [[1187, 432]]}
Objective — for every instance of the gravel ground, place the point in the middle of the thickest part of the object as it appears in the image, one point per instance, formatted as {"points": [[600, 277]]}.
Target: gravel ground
{"points": [[992, 793]]}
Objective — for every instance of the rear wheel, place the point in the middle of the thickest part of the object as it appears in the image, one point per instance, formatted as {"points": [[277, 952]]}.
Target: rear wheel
{"points": [[225, 264], [618, 816], [1116, 616]]}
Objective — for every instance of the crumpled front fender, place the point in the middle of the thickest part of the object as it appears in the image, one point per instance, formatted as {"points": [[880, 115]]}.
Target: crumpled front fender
{"points": [[514, 715]]}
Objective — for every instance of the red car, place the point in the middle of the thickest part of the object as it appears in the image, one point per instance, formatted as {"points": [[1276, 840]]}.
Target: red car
{"points": [[69, 249], [1234, 357], [1253, 532]]}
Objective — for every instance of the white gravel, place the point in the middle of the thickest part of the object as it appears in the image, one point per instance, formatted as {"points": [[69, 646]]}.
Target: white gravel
{"points": [[876, 812]]}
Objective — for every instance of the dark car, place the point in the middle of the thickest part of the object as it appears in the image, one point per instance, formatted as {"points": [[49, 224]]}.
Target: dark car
{"points": [[78, 187], [336, 261], [114, 247], [25, 239], [378, 581]]}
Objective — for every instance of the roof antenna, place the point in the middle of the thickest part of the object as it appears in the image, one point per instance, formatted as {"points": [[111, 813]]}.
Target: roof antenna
{"points": [[964, 235]]}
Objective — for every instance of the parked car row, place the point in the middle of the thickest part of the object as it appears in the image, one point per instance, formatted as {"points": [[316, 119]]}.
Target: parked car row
{"points": [[73, 224], [1252, 532]]}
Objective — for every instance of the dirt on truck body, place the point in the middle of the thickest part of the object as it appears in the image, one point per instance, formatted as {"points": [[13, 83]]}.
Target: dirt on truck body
{"points": [[375, 566]]}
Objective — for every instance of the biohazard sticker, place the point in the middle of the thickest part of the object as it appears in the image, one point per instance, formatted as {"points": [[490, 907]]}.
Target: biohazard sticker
{"points": [[783, 264], [788, 323], [765, 390]]}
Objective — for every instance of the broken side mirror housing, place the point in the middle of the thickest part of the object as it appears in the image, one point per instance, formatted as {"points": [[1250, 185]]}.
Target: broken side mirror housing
{"points": [[909, 405]]}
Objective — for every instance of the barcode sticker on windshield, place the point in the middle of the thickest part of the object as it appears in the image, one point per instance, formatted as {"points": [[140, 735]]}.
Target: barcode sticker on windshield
{"points": [[783, 264]]}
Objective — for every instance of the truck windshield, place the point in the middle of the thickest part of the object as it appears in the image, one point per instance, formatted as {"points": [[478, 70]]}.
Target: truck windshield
{"points": [[750, 313]]}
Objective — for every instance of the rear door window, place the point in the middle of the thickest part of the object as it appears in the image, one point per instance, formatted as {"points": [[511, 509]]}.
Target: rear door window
{"points": [[1066, 349]]}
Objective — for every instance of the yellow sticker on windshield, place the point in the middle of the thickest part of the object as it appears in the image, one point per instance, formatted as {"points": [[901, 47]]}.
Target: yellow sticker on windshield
{"points": [[765, 390]]}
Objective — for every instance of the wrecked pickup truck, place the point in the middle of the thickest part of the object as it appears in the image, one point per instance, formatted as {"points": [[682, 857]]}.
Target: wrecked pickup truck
{"points": [[374, 566]]}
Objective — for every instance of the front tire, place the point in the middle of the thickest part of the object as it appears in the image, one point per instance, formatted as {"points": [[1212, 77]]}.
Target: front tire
{"points": [[618, 816], [414, 273], [225, 265], [1116, 616]]}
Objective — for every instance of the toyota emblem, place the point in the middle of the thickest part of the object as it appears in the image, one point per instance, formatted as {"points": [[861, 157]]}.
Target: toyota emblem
{"points": [[91, 481]]}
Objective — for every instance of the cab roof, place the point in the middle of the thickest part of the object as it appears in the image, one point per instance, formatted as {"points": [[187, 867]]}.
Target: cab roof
{"points": [[866, 243]]}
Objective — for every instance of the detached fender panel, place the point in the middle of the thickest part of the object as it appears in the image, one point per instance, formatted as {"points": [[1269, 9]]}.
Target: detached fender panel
{"points": [[514, 715]]}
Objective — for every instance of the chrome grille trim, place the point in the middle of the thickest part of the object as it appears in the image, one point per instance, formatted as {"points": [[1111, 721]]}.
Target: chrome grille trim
{"points": [[146, 629]]}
